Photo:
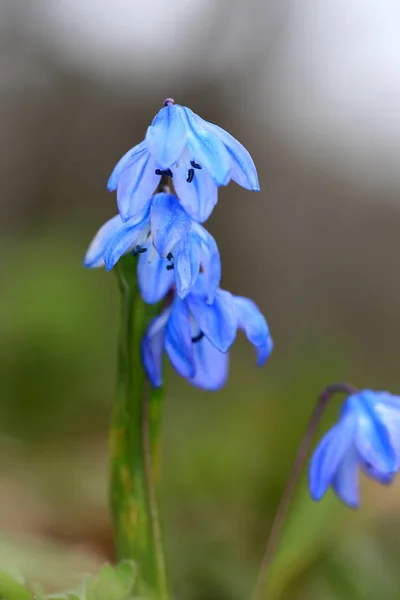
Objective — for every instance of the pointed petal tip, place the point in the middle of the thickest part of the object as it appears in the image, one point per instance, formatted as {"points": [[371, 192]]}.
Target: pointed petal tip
{"points": [[156, 382], [111, 184], [209, 387], [264, 352], [89, 263], [316, 493], [125, 216], [110, 259], [182, 291], [223, 181], [353, 503]]}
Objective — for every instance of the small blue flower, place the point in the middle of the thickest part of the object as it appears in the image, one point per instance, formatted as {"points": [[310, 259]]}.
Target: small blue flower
{"points": [[198, 155], [172, 248], [197, 336], [367, 437]]}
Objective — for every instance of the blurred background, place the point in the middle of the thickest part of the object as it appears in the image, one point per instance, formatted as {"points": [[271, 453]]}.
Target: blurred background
{"points": [[312, 89]]}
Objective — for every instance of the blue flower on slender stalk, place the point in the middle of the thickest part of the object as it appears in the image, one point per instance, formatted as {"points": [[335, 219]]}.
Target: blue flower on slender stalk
{"points": [[367, 437], [197, 336], [172, 248], [198, 155]]}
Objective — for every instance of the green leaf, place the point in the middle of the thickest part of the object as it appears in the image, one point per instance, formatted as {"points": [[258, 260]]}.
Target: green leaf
{"points": [[11, 588], [126, 574], [64, 596], [309, 530], [112, 583]]}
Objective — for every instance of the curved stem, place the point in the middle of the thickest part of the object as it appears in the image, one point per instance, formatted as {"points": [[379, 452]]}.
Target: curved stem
{"points": [[302, 453], [132, 437]]}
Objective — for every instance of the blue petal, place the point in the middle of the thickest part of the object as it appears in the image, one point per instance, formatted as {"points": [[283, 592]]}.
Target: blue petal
{"points": [[211, 366], [128, 158], [264, 351], [206, 148], [346, 479], [389, 415], [372, 438], [152, 348], [169, 223], [198, 197], [209, 257], [372, 473], [385, 398], [166, 136], [200, 288], [154, 278], [186, 265], [329, 454], [94, 255], [136, 187], [178, 339], [255, 326], [124, 240], [218, 321], [243, 169]]}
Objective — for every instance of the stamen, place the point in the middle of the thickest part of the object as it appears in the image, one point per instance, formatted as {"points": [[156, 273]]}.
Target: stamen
{"points": [[170, 256], [195, 165], [197, 337], [190, 176], [170, 267], [165, 172], [138, 250]]}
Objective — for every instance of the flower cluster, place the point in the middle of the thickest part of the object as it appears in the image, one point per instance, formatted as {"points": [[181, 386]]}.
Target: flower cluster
{"points": [[367, 437], [176, 254]]}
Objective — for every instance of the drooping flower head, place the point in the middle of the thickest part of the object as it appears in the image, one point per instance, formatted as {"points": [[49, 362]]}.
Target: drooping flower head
{"points": [[171, 247], [197, 155], [175, 253], [366, 438], [197, 336]]}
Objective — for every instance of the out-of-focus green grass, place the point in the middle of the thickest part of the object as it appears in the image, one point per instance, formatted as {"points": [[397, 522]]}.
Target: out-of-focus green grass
{"points": [[225, 459]]}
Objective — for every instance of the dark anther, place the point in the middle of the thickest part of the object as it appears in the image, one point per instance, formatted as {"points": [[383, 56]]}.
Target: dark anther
{"points": [[165, 172], [170, 256], [190, 176], [195, 165], [197, 337], [138, 250], [170, 267]]}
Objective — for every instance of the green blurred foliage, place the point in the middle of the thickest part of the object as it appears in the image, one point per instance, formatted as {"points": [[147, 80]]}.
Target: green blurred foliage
{"points": [[225, 455], [111, 583]]}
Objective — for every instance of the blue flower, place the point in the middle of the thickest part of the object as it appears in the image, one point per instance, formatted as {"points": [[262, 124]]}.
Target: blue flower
{"points": [[198, 155], [172, 248], [197, 336], [367, 437]]}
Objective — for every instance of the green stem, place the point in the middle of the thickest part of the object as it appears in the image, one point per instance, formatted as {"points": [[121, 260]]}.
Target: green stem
{"points": [[134, 436]]}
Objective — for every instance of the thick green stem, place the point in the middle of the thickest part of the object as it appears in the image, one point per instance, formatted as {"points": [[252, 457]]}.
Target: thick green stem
{"points": [[134, 442]]}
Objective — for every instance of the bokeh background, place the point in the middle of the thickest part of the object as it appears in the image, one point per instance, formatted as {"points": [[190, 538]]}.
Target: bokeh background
{"points": [[312, 89]]}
